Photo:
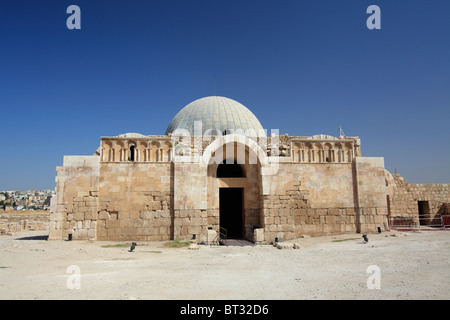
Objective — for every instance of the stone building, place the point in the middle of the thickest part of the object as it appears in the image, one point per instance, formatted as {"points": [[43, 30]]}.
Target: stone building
{"points": [[217, 170]]}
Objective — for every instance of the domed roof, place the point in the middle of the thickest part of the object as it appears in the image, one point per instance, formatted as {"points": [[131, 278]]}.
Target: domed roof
{"points": [[216, 113]]}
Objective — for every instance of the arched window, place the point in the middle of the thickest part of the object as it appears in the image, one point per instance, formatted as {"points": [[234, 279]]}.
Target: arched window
{"points": [[227, 131], [132, 153], [230, 170]]}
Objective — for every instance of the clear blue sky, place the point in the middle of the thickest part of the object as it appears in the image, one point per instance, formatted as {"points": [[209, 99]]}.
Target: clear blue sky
{"points": [[302, 66]]}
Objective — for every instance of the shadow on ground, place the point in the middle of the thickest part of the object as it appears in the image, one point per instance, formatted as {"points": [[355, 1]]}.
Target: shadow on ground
{"points": [[40, 237]]}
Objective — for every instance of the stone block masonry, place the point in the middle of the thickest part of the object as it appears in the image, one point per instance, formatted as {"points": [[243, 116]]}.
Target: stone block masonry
{"points": [[136, 192], [14, 222], [324, 199], [411, 200], [153, 222]]}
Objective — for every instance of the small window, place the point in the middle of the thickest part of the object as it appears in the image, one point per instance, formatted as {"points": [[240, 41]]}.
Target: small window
{"points": [[226, 132]]}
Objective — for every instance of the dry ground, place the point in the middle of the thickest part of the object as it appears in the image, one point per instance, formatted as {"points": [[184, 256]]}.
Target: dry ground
{"points": [[412, 266]]}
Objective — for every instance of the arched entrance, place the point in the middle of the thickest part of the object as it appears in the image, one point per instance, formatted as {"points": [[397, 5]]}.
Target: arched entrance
{"points": [[234, 188]]}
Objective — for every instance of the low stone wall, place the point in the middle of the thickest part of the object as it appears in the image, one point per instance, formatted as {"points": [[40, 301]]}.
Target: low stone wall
{"points": [[403, 198], [14, 222]]}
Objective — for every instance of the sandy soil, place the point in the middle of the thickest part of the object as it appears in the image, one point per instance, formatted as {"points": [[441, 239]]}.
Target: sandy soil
{"points": [[412, 266]]}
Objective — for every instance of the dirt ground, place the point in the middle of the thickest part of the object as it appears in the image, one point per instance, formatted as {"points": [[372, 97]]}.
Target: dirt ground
{"points": [[411, 265]]}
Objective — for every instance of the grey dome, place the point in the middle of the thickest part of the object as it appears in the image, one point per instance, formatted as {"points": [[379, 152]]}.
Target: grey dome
{"points": [[216, 113]]}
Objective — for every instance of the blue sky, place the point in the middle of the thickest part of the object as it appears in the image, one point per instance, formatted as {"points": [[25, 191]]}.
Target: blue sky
{"points": [[303, 67]]}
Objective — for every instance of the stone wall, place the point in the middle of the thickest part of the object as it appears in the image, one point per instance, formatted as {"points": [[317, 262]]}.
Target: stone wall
{"points": [[76, 198], [190, 201], [370, 189], [403, 198], [14, 222], [135, 201], [324, 198]]}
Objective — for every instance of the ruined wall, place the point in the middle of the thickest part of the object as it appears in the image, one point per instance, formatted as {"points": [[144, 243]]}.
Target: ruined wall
{"points": [[403, 198], [76, 198], [13, 222]]}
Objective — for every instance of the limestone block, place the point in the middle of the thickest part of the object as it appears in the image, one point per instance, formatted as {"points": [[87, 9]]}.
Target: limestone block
{"points": [[92, 234], [330, 219], [102, 233], [164, 232], [259, 235], [86, 224], [83, 208], [282, 245], [147, 214], [154, 205], [125, 223], [78, 216], [211, 236], [194, 230], [91, 203], [56, 216], [112, 224], [113, 233], [103, 215], [90, 215], [82, 234], [114, 215], [379, 220]]}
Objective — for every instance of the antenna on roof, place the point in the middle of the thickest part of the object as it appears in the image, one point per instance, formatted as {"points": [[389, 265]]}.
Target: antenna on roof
{"points": [[341, 133], [214, 85]]}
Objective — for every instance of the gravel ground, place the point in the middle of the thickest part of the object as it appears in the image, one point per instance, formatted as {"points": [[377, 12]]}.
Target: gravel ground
{"points": [[410, 265]]}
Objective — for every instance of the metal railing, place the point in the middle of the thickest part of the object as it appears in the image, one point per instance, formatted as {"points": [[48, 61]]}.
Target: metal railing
{"points": [[250, 233], [445, 221], [223, 236], [422, 222]]}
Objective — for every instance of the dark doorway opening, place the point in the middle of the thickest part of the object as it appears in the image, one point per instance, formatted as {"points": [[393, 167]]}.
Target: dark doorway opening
{"points": [[230, 169], [424, 213], [231, 212]]}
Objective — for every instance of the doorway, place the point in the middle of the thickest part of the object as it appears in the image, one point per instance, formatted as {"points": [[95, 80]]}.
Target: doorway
{"points": [[424, 213], [231, 211]]}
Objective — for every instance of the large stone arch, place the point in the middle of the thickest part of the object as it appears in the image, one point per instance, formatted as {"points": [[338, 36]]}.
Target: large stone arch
{"points": [[196, 187], [246, 153], [257, 153]]}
